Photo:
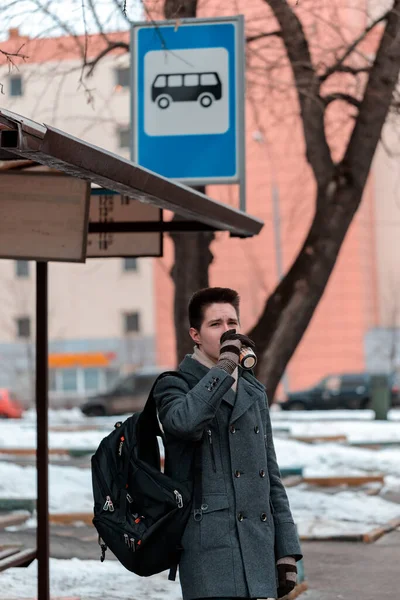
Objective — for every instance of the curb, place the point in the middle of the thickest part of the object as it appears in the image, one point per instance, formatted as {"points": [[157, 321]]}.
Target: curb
{"points": [[13, 519], [12, 504], [288, 471], [31, 451], [73, 452], [375, 445], [69, 518], [377, 533], [311, 439], [366, 538], [353, 480], [298, 590]]}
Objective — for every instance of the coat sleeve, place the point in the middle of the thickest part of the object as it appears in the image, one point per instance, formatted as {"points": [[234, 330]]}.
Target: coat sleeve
{"points": [[286, 537], [185, 412]]}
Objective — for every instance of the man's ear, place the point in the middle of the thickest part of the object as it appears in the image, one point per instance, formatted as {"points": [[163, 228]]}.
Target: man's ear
{"points": [[195, 335]]}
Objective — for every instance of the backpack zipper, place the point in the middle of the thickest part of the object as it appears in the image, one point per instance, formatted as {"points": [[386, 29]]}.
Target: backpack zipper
{"points": [[108, 504], [179, 499], [211, 446]]}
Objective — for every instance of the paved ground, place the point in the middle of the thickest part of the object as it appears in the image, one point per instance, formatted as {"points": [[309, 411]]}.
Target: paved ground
{"points": [[352, 571], [334, 570]]}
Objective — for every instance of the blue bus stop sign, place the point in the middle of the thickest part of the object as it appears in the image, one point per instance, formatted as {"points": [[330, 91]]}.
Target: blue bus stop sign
{"points": [[188, 99]]}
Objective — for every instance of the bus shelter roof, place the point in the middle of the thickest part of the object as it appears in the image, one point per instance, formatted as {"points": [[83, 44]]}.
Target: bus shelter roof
{"points": [[21, 137]]}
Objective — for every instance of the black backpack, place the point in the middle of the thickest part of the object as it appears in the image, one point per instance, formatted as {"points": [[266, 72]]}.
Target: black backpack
{"points": [[139, 512]]}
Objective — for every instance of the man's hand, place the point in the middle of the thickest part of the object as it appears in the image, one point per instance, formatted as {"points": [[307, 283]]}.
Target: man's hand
{"points": [[231, 344], [287, 575], [231, 335]]}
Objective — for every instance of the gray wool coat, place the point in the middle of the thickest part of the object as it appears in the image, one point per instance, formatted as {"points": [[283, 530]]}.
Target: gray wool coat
{"points": [[246, 522]]}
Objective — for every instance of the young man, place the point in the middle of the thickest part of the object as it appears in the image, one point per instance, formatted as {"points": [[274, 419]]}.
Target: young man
{"points": [[244, 542]]}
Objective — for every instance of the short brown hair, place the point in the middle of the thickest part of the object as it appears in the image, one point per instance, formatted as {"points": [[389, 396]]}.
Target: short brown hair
{"points": [[203, 298]]}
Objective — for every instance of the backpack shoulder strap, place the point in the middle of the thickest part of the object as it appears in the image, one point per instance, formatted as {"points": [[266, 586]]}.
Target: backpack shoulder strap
{"points": [[149, 412]]}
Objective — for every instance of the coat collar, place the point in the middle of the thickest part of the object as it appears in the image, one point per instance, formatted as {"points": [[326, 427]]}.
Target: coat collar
{"points": [[193, 367]]}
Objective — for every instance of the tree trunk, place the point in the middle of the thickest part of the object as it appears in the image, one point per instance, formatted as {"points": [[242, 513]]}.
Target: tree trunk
{"points": [[179, 9], [189, 273], [291, 306], [192, 250]]}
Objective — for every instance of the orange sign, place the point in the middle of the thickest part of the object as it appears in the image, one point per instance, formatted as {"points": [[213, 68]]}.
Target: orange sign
{"points": [[84, 359]]}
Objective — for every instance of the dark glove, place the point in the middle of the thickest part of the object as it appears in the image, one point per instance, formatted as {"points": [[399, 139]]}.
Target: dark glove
{"points": [[231, 344], [287, 575], [233, 336]]}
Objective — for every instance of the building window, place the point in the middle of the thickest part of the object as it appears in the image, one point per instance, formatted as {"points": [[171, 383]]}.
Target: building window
{"points": [[124, 137], [52, 380], [16, 85], [132, 324], [123, 77], [24, 327], [69, 380], [130, 264], [91, 378], [22, 268]]}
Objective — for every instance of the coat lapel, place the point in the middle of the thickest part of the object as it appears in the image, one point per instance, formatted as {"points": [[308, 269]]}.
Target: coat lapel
{"points": [[245, 397], [230, 397]]}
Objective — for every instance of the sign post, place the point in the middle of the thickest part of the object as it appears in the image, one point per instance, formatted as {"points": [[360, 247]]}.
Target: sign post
{"points": [[188, 100]]}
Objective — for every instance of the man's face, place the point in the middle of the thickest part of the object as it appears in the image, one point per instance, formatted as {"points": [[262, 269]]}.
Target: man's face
{"points": [[218, 318]]}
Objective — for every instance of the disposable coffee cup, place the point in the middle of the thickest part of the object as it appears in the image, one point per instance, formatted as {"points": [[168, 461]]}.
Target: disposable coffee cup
{"points": [[247, 359]]}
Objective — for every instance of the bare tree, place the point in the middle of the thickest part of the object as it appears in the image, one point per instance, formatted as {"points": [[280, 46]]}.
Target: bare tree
{"points": [[339, 184], [354, 67]]}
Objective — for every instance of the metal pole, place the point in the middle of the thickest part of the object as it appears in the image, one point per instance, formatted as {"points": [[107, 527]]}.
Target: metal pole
{"points": [[42, 464], [278, 254], [241, 74]]}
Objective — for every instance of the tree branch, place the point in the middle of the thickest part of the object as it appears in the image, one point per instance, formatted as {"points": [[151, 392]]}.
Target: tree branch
{"points": [[111, 46], [338, 66], [10, 55], [121, 6], [312, 110], [353, 70], [260, 36], [341, 96], [377, 99]]}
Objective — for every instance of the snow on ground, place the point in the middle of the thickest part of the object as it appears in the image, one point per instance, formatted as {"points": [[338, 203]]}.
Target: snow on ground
{"points": [[88, 579], [71, 491], [70, 487], [329, 415], [356, 431], [343, 512], [338, 459]]}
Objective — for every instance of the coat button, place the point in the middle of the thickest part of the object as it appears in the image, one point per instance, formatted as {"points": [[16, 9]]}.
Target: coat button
{"points": [[232, 429], [263, 516], [262, 473], [237, 473], [240, 516], [256, 429]]}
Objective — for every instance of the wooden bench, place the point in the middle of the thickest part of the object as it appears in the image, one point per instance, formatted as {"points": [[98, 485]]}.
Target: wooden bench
{"points": [[16, 557]]}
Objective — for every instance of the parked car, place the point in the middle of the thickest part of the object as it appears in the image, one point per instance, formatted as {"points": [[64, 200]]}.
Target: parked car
{"points": [[10, 406], [345, 391], [127, 395]]}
